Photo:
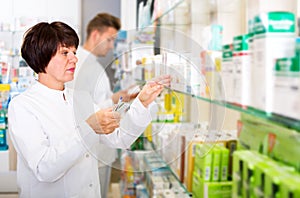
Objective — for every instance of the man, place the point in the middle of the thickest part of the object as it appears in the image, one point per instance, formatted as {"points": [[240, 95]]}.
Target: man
{"points": [[101, 33]]}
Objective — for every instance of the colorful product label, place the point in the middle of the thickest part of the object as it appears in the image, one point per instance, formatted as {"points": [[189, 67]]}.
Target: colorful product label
{"points": [[286, 87], [274, 22], [240, 43]]}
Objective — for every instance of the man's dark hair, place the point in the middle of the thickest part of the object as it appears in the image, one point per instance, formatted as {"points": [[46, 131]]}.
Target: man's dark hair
{"points": [[101, 22]]}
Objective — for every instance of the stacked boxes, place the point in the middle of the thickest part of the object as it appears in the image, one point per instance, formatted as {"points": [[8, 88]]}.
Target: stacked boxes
{"points": [[160, 181], [270, 139], [259, 176], [147, 175], [262, 68], [210, 177]]}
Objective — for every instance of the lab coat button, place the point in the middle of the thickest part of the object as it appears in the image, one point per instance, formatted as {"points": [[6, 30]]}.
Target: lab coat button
{"points": [[87, 155], [91, 185]]}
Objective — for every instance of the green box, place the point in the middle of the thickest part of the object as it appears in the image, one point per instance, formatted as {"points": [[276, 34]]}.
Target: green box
{"points": [[259, 178], [216, 163], [250, 164], [264, 169], [237, 173], [290, 187], [274, 178], [196, 188], [252, 136], [224, 164], [215, 189], [231, 145], [272, 139], [203, 161]]}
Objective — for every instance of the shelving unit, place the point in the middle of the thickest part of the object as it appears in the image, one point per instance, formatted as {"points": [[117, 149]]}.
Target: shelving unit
{"points": [[276, 118], [275, 132], [190, 30], [144, 169]]}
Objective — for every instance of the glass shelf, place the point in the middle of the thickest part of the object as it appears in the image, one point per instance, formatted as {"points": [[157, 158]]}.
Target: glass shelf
{"points": [[275, 118]]}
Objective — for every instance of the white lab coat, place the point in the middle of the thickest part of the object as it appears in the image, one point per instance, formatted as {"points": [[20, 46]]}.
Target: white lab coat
{"points": [[53, 145], [90, 76]]}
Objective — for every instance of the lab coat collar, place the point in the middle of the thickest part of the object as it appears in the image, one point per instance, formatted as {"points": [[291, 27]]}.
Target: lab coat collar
{"points": [[44, 90]]}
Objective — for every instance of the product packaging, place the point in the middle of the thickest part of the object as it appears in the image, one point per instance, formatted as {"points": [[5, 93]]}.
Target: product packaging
{"points": [[228, 72], [216, 164], [274, 37], [286, 86], [224, 163], [242, 75]]}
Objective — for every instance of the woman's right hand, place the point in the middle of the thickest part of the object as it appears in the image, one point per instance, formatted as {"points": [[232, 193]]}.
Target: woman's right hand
{"points": [[104, 121], [153, 88]]}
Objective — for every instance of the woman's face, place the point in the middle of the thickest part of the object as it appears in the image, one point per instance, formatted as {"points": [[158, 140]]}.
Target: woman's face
{"points": [[62, 65]]}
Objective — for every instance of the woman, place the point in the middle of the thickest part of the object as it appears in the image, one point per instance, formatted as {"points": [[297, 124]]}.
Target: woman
{"points": [[52, 147]]}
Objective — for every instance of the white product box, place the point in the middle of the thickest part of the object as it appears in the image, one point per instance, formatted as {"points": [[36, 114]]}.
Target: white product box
{"points": [[287, 88], [242, 75], [227, 72], [274, 38]]}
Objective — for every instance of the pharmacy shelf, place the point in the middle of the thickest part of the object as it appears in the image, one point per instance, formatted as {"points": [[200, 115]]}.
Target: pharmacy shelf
{"points": [[151, 147], [272, 117], [276, 118], [164, 168]]}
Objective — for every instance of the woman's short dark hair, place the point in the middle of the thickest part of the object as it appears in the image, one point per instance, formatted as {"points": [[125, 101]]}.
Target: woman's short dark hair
{"points": [[42, 41], [101, 22]]}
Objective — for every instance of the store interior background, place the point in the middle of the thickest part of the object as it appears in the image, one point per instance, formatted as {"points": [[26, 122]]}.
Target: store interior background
{"points": [[77, 13]]}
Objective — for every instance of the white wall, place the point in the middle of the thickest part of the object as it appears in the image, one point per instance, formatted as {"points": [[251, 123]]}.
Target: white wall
{"points": [[67, 11], [92, 7]]}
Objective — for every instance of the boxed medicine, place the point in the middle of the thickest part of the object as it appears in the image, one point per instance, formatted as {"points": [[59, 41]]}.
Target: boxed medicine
{"points": [[274, 37]]}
